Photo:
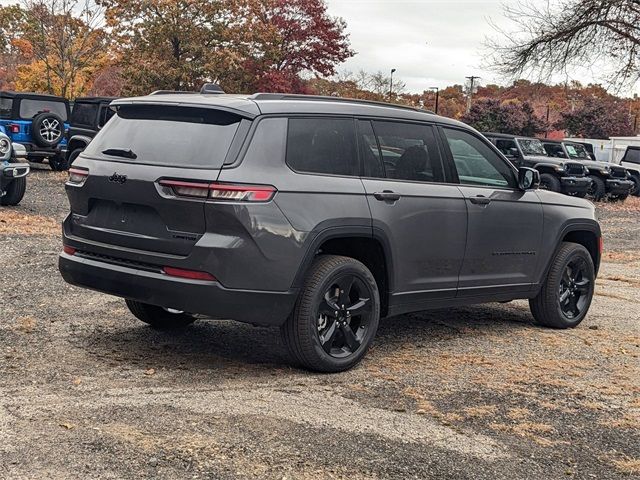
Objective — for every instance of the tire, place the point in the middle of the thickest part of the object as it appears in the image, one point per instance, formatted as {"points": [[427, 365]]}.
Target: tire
{"points": [[581, 194], [73, 155], [14, 192], [549, 181], [549, 309], [47, 129], [158, 317], [58, 163], [618, 198], [328, 342], [635, 191], [598, 188]]}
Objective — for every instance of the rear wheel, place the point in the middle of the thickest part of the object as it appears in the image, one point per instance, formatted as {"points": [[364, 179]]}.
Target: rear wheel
{"points": [[598, 189], [549, 181], [336, 316], [73, 155], [158, 317], [14, 192], [566, 295]]}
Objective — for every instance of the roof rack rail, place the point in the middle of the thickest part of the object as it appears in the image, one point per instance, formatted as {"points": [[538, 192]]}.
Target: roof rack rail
{"points": [[324, 98], [169, 92]]}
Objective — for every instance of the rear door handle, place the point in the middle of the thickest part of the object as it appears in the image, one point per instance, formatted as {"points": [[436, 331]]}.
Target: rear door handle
{"points": [[387, 196], [480, 200]]}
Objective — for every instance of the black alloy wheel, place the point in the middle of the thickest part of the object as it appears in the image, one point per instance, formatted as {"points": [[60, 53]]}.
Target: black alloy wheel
{"points": [[344, 315], [575, 286]]}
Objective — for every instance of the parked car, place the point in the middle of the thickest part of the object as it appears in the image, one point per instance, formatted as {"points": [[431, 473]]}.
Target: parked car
{"points": [[631, 161], [13, 174], [607, 179], [316, 214], [555, 175], [37, 122], [88, 116]]}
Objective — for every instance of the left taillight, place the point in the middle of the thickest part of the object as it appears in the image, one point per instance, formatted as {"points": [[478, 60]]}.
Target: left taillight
{"points": [[68, 250], [77, 176], [224, 192]]}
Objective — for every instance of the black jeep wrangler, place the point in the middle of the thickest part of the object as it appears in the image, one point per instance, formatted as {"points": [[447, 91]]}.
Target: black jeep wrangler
{"points": [[631, 161], [88, 116], [607, 180], [556, 175]]}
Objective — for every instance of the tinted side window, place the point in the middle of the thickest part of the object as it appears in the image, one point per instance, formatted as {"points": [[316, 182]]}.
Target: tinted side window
{"points": [[505, 146], [6, 107], [84, 113], [409, 151], [632, 156], [476, 163], [105, 114], [554, 150], [322, 145]]}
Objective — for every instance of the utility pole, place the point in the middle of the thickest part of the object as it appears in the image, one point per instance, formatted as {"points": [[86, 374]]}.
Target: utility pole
{"points": [[393, 70], [472, 83], [546, 133], [437, 90]]}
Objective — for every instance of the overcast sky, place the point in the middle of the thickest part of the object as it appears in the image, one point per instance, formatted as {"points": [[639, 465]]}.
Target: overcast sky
{"points": [[431, 43]]}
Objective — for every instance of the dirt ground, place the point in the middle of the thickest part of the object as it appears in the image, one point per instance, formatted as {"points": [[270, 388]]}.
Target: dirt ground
{"points": [[86, 391]]}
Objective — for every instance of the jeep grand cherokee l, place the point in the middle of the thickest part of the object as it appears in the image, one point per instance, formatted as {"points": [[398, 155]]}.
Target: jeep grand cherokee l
{"points": [[318, 215], [556, 175]]}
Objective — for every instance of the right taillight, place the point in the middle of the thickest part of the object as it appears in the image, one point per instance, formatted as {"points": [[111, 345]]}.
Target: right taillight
{"points": [[77, 176], [224, 192]]}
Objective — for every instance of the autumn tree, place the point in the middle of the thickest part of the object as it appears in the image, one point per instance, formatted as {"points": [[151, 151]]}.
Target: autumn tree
{"points": [[557, 36], [15, 50], [492, 115], [597, 118]]}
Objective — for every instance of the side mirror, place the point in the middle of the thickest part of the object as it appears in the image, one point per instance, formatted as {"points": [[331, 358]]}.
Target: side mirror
{"points": [[528, 178]]}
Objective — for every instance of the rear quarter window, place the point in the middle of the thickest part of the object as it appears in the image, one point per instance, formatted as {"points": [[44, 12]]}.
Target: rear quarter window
{"points": [[167, 135], [322, 146]]}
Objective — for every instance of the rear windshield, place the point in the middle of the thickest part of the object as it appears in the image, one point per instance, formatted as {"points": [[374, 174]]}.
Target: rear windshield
{"points": [[84, 113], [166, 135], [29, 108]]}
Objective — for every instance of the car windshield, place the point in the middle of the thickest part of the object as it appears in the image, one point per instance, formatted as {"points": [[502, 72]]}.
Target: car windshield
{"points": [[531, 146], [577, 151], [166, 135], [30, 107]]}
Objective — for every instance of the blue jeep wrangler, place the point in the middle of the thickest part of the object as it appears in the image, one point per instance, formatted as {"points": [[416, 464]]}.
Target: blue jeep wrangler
{"points": [[39, 123], [13, 175]]}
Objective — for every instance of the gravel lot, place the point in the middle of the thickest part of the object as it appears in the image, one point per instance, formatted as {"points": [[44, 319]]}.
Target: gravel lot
{"points": [[86, 391]]}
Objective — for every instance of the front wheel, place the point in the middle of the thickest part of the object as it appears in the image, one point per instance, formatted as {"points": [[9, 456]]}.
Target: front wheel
{"points": [[598, 188], [635, 191], [158, 317], [14, 192], [566, 295], [336, 316], [549, 181]]}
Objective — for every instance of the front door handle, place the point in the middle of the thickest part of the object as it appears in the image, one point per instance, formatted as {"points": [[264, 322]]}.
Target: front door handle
{"points": [[480, 200], [387, 196]]}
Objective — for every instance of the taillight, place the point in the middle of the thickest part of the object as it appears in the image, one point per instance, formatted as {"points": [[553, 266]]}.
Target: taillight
{"points": [[13, 128], [190, 274], [77, 176], [221, 191], [601, 245], [68, 250]]}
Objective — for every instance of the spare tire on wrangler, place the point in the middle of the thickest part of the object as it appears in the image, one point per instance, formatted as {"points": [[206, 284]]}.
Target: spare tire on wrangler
{"points": [[47, 129]]}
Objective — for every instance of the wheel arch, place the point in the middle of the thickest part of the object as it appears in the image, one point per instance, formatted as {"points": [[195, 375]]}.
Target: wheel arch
{"points": [[371, 247], [77, 141]]}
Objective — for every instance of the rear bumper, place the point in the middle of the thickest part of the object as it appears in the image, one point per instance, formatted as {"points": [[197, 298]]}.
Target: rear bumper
{"points": [[36, 152], [575, 184], [619, 187], [193, 296]]}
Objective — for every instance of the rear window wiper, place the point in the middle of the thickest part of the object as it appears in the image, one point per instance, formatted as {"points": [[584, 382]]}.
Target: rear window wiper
{"points": [[120, 152]]}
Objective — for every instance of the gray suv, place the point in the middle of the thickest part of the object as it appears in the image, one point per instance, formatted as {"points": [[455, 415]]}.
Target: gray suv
{"points": [[317, 215]]}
